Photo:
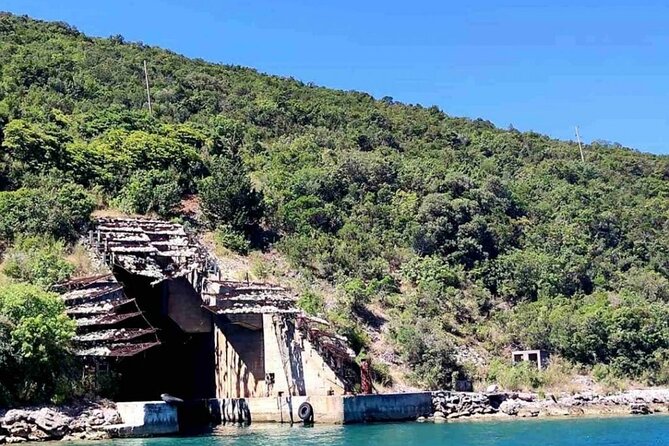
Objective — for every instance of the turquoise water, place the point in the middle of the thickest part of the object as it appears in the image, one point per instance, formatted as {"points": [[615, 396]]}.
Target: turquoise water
{"points": [[629, 431]]}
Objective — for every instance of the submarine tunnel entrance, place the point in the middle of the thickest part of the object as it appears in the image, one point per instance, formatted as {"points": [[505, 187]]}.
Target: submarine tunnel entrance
{"points": [[183, 364]]}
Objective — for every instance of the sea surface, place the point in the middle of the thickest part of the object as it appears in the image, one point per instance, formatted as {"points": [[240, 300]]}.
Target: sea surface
{"points": [[627, 431]]}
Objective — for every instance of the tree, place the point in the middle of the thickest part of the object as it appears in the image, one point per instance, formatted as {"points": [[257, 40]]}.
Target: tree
{"points": [[29, 148], [39, 334], [57, 209], [153, 191], [227, 195]]}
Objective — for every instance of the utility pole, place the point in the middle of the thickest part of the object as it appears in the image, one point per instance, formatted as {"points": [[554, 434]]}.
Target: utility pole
{"points": [[148, 92], [580, 147]]}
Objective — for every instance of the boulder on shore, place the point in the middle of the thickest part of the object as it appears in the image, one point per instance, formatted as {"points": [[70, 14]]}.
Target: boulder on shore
{"points": [[84, 421]]}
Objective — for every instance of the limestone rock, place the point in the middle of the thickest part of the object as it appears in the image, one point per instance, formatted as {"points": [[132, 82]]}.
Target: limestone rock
{"points": [[639, 409], [54, 423], [19, 428], [528, 413], [86, 422], [554, 411], [509, 407], [525, 396], [15, 416], [492, 388], [96, 435], [38, 435]]}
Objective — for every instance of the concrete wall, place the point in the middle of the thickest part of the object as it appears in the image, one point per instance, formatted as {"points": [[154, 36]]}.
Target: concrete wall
{"points": [[273, 362], [238, 361], [319, 378], [306, 371], [145, 419], [327, 409], [386, 407], [245, 356], [336, 409], [184, 307]]}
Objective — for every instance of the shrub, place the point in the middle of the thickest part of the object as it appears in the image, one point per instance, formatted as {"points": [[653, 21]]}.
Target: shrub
{"points": [[558, 373], [349, 327], [432, 269], [39, 336], [37, 260], [260, 268], [152, 191], [54, 208], [428, 349], [357, 293], [521, 376], [311, 302], [659, 374], [381, 373], [607, 377], [231, 239], [600, 372]]}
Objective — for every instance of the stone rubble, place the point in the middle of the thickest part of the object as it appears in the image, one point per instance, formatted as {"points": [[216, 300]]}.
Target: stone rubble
{"points": [[448, 405], [76, 422]]}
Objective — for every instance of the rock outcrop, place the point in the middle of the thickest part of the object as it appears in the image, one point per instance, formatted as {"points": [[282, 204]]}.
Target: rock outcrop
{"points": [[76, 422], [458, 405]]}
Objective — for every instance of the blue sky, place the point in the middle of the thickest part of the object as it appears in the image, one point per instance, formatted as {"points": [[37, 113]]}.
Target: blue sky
{"points": [[602, 65]]}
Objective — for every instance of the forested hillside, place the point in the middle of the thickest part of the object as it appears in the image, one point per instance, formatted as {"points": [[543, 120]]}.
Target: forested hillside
{"points": [[460, 232]]}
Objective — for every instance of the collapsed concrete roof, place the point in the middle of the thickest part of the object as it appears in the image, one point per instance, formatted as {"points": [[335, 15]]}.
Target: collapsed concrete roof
{"points": [[151, 248], [98, 306], [231, 297], [162, 250]]}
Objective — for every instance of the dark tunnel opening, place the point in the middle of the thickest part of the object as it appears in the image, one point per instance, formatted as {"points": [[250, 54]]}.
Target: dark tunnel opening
{"points": [[183, 364]]}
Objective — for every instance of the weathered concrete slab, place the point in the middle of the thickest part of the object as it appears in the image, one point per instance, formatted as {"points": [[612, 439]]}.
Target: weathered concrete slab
{"points": [[145, 419], [339, 409], [386, 407]]}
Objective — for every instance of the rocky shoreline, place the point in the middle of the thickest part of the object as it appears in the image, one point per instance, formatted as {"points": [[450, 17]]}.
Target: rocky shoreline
{"points": [[84, 421], [449, 406], [92, 420]]}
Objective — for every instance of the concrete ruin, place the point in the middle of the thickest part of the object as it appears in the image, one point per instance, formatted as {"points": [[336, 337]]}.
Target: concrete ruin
{"points": [[165, 321], [536, 357]]}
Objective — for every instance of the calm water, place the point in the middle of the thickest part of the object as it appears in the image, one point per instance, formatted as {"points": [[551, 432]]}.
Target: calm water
{"points": [[630, 431]]}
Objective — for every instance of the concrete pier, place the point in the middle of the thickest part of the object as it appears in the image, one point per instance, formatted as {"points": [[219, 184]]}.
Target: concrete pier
{"points": [[386, 407], [155, 418], [145, 419], [344, 409]]}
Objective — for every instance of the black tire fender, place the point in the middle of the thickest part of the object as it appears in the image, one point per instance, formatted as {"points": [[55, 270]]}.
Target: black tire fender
{"points": [[305, 412]]}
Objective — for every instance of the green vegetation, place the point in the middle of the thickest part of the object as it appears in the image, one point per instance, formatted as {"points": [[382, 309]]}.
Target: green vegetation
{"points": [[459, 230], [231, 239], [37, 260], [34, 341]]}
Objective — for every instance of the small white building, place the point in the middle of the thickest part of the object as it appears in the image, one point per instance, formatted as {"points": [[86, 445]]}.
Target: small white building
{"points": [[538, 357]]}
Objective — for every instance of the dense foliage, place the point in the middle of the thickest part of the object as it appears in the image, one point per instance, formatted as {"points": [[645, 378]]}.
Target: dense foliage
{"points": [[459, 229], [34, 341]]}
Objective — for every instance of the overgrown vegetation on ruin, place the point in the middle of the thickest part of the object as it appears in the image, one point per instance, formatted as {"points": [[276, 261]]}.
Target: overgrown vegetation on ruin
{"points": [[460, 230]]}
